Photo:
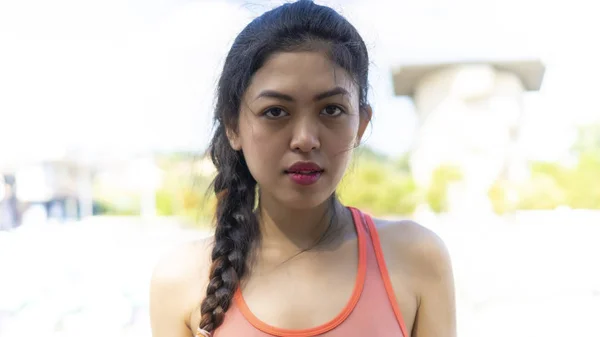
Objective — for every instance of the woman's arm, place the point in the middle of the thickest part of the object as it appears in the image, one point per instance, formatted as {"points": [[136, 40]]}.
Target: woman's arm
{"points": [[166, 308], [436, 313], [175, 290], [421, 275]]}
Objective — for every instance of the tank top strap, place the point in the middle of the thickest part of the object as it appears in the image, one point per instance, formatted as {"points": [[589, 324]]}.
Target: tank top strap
{"points": [[360, 222], [373, 244]]}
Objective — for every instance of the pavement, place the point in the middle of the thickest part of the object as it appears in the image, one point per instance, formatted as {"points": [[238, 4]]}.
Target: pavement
{"points": [[532, 275]]}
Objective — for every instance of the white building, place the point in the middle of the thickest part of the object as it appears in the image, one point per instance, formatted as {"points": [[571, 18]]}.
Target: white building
{"points": [[469, 116]]}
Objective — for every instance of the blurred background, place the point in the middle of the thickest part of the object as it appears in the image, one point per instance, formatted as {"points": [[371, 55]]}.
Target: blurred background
{"points": [[486, 129]]}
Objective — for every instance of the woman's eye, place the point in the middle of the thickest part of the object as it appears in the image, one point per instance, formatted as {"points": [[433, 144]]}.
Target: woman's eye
{"points": [[332, 111], [275, 113]]}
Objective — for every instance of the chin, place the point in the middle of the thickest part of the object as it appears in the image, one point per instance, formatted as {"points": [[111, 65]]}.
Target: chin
{"points": [[295, 197], [299, 201]]}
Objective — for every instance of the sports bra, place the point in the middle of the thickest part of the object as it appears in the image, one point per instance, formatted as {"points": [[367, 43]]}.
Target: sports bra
{"points": [[372, 309]]}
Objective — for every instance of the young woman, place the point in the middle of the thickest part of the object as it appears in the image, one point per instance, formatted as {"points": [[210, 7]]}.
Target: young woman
{"points": [[287, 258]]}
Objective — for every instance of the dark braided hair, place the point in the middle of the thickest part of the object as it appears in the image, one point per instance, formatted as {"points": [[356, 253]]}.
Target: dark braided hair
{"points": [[297, 26]]}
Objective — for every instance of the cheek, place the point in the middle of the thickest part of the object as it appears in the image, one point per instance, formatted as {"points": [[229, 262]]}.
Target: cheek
{"points": [[260, 140], [261, 148], [341, 138], [339, 147]]}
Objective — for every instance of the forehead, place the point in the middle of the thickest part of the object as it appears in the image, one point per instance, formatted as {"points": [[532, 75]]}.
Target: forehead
{"points": [[300, 73]]}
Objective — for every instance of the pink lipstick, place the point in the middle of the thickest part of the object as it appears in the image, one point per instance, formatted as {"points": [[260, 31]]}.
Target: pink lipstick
{"points": [[304, 173]]}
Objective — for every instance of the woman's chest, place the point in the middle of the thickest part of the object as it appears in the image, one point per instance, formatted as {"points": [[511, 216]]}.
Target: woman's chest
{"points": [[303, 295]]}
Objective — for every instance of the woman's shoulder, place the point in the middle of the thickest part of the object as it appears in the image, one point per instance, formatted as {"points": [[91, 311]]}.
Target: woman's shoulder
{"points": [[421, 274], [179, 281], [189, 260], [411, 245]]}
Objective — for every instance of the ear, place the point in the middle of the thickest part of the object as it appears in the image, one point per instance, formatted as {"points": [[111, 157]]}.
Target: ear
{"points": [[234, 139], [366, 114]]}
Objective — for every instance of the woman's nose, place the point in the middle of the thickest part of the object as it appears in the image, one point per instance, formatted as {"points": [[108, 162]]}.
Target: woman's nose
{"points": [[306, 136]]}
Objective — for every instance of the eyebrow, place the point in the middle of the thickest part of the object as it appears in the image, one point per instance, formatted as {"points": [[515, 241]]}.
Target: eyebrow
{"points": [[277, 95]]}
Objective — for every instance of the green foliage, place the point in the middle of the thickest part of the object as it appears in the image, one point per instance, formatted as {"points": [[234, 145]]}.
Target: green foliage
{"points": [[437, 193], [379, 187], [110, 200], [552, 184], [579, 185], [556, 185], [403, 163], [121, 204], [583, 187], [541, 192], [185, 191], [500, 197], [368, 154], [588, 139]]}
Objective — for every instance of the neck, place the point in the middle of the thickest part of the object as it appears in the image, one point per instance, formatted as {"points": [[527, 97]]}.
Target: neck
{"points": [[289, 229]]}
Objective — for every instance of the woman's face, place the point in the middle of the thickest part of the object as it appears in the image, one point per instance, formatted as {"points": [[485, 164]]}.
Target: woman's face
{"points": [[299, 121]]}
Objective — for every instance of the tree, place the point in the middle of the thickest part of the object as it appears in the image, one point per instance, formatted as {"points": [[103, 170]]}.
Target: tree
{"points": [[375, 183], [437, 193], [553, 184]]}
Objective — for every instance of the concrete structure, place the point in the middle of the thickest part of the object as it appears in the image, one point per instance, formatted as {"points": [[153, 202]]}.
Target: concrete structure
{"points": [[469, 115], [55, 189], [62, 187]]}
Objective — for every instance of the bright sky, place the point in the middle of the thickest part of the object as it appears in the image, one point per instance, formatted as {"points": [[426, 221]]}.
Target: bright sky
{"points": [[122, 76]]}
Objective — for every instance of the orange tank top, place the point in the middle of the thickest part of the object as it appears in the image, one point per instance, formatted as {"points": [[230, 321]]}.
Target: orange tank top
{"points": [[371, 311]]}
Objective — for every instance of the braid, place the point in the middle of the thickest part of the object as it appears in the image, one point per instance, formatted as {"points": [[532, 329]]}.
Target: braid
{"points": [[236, 230]]}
